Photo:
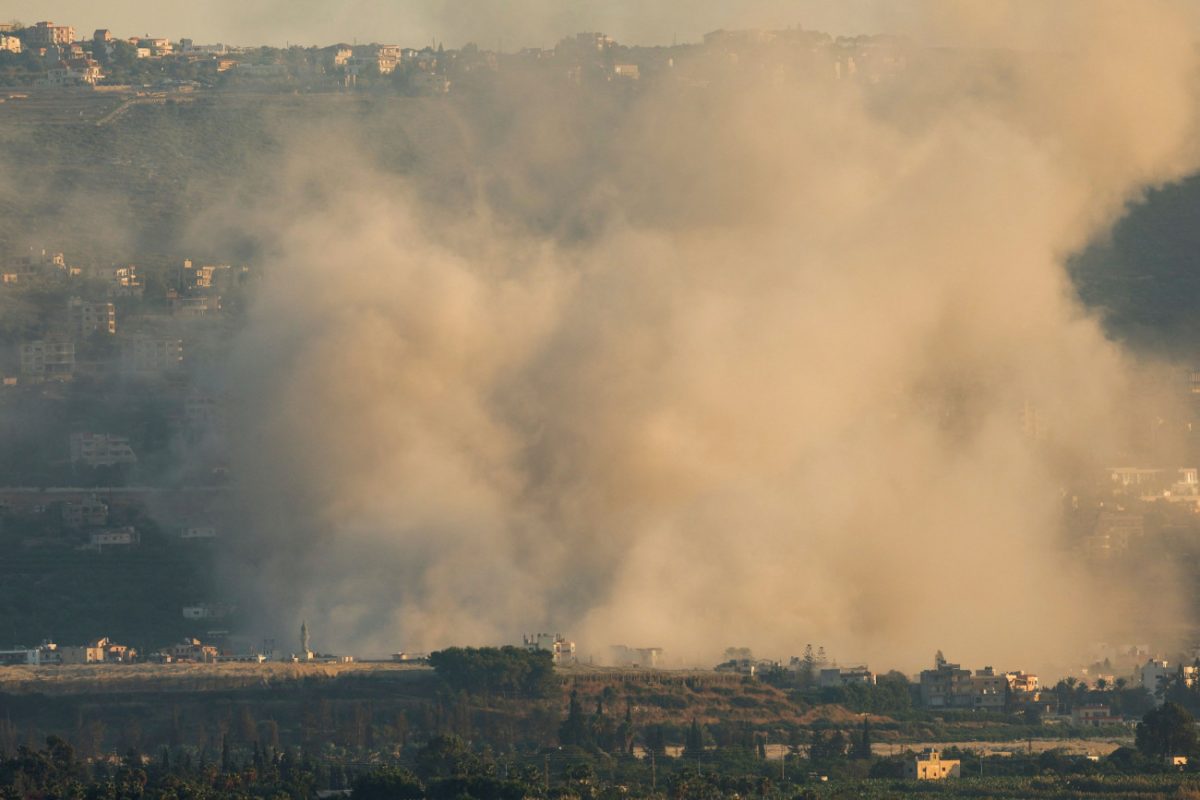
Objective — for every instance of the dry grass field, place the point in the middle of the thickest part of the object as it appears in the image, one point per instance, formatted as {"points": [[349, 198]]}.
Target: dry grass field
{"points": [[121, 678]]}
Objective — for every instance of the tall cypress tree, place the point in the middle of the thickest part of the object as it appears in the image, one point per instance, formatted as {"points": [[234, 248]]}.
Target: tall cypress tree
{"points": [[574, 730], [693, 746], [862, 747]]}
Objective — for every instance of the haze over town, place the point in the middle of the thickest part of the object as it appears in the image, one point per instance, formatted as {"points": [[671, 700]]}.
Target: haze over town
{"points": [[717, 330], [578, 399]]}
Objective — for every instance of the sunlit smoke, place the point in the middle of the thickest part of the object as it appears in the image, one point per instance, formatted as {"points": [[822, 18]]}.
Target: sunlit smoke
{"points": [[739, 359]]}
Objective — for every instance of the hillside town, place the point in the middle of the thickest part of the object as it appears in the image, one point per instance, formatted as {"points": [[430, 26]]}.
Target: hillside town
{"points": [[46, 55], [118, 449], [155, 637]]}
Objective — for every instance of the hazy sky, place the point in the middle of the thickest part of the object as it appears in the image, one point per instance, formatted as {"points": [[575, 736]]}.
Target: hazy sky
{"points": [[514, 23]]}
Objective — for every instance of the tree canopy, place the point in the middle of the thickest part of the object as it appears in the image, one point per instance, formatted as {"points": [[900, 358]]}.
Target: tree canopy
{"points": [[495, 670]]}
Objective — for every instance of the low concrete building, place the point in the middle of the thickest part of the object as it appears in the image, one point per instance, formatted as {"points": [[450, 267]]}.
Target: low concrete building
{"points": [[198, 532], [844, 676], [45, 653], [1093, 716], [92, 653], [928, 765], [114, 537], [191, 650], [647, 657]]}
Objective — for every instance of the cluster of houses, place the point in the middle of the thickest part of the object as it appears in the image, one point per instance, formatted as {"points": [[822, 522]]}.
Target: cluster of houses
{"points": [[72, 61], [102, 333], [152, 347], [105, 651], [950, 686], [585, 58], [98, 651]]}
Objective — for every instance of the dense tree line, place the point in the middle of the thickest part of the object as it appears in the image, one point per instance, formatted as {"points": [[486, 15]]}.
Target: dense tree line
{"points": [[496, 670], [726, 761]]}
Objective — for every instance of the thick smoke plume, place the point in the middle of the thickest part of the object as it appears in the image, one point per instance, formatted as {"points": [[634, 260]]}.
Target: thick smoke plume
{"points": [[740, 359]]}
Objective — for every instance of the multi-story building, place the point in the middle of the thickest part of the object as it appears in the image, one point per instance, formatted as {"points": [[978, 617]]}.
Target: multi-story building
{"points": [[1156, 676], [48, 358], [1113, 533], [9, 44], [1022, 683], [47, 34], [946, 686], [1136, 477], [157, 46], [989, 691], [203, 412], [561, 650], [101, 450], [88, 318], [207, 276], [146, 356], [90, 512], [42, 264], [75, 71], [125, 282]]}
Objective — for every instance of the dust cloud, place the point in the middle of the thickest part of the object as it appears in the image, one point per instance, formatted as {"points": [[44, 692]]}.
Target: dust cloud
{"points": [[739, 358]]}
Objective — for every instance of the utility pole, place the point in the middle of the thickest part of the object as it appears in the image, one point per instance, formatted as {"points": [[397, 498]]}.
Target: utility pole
{"points": [[546, 764], [653, 774]]}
